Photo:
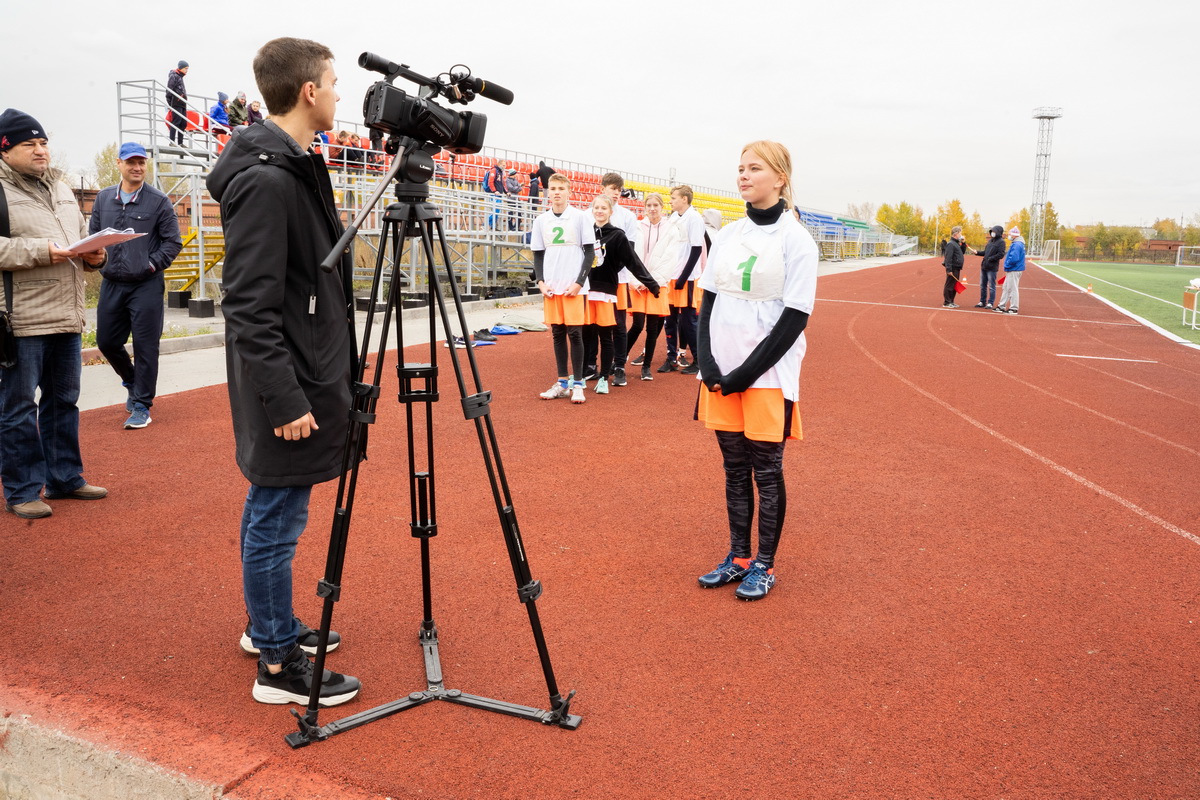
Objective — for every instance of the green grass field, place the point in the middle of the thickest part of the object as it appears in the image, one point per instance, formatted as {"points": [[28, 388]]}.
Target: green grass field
{"points": [[1138, 288]]}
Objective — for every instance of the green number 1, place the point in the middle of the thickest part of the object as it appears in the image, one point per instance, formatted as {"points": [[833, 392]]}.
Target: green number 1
{"points": [[558, 232], [745, 267]]}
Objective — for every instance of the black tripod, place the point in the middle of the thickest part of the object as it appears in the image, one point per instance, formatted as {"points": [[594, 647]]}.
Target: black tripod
{"points": [[412, 216]]}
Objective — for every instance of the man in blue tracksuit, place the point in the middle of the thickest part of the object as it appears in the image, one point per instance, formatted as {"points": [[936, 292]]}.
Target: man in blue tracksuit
{"points": [[1014, 268], [131, 293]]}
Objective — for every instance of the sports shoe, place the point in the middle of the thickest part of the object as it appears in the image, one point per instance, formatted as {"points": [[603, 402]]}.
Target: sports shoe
{"points": [[483, 336], [307, 640], [989, 305], [690, 369], [998, 310], [647, 375], [637, 362], [34, 509], [140, 417], [681, 361], [293, 683], [601, 386], [619, 377], [949, 305], [577, 393], [590, 373], [979, 304], [1013, 311], [85, 492], [668, 366], [725, 572], [758, 581], [559, 389], [128, 396]]}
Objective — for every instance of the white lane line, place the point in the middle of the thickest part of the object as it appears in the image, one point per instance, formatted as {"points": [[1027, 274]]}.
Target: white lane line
{"points": [[981, 312], [1107, 358], [1116, 498]]}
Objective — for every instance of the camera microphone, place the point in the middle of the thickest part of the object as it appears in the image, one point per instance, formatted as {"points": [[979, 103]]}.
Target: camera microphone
{"points": [[490, 90]]}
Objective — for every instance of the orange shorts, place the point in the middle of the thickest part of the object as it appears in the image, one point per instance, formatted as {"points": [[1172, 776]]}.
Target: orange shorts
{"points": [[563, 310], [688, 296], [762, 414], [646, 303], [602, 313], [622, 296]]}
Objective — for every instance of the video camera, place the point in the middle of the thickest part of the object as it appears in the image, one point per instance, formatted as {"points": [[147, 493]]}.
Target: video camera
{"points": [[390, 110]]}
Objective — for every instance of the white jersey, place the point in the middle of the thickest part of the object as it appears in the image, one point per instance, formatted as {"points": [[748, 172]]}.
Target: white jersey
{"points": [[756, 271], [691, 229], [627, 221], [563, 237]]}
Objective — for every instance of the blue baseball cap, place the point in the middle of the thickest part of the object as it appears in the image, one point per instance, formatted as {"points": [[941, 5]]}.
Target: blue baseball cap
{"points": [[131, 150]]}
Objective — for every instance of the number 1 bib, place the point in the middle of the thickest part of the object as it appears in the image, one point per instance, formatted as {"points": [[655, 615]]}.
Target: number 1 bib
{"points": [[750, 270]]}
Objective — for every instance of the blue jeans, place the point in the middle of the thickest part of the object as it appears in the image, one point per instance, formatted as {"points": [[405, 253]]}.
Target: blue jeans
{"points": [[39, 439], [272, 521], [987, 287]]}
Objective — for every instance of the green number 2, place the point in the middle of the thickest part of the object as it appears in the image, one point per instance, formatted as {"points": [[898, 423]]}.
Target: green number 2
{"points": [[745, 267], [558, 233]]}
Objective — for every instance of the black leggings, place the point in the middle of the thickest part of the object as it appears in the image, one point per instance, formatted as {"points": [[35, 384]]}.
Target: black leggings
{"points": [[598, 338], [764, 460], [653, 325], [560, 334]]}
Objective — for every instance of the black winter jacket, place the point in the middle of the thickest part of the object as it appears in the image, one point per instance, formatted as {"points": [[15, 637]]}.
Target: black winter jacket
{"points": [[150, 213], [993, 254], [289, 344], [952, 256], [177, 93], [618, 255]]}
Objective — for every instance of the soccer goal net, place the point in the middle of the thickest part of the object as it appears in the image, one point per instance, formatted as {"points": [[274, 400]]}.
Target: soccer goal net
{"points": [[1187, 257], [1050, 252]]}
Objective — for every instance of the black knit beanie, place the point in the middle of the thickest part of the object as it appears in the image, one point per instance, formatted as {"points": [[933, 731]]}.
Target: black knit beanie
{"points": [[16, 127]]}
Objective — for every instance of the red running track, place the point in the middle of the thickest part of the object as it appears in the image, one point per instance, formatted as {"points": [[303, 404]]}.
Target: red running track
{"points": [[987, 584]]}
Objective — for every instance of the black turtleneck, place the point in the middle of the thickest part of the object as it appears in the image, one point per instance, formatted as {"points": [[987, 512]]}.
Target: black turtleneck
{"points": [[766, 216]]}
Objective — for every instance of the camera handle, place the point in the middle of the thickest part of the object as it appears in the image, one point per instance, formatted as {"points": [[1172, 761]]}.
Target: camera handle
{"points": [[413, 216]]}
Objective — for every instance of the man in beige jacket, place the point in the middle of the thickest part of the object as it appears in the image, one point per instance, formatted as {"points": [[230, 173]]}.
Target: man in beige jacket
{"points": [[39, 437]]}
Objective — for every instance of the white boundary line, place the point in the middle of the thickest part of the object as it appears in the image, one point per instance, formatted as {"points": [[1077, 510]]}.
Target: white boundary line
{"points": [[972, 310], [1116, 498], [1161, 331], [1107, 358]]}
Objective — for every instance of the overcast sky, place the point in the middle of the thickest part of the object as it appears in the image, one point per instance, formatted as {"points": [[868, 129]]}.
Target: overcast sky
{"points": [[879, 101]]}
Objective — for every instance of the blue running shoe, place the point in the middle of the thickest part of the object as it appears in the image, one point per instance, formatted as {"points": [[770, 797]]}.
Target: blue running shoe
{"points": [[757, 583], [140, 417], [725, 572]]}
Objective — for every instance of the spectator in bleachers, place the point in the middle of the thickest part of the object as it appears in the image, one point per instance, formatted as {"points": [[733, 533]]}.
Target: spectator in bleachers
{"points": [[657, 247], [543, 172], [239, 114], [493, 184], [512, 185], [990, 266], [684, 298], [759, 291], [255, 113], [563, 243], [219, 114], [535, 188], [177, 102], [952, 260]]}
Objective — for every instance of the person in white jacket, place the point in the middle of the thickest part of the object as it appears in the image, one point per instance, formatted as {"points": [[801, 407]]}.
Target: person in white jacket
{"points": [[657, 246]]}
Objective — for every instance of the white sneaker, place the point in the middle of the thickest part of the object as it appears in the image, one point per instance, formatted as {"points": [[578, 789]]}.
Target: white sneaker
{"points": [[554, 392], [577, 393]]}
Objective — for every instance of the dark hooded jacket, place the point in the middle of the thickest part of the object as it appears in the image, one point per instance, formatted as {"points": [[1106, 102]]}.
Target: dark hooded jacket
{"points": [[994, 251], [618, 254], [289, 345]]}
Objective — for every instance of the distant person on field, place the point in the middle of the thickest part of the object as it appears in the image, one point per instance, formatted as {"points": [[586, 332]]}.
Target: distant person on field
{"points": [[131, 293], [684, 297], [952, 260], [626, 221], [1014, 268], [657, 246], [991, 264], [177, 102], [563, 243]]}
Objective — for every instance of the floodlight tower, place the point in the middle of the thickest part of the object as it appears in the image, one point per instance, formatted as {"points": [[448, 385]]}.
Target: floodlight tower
{"points": [[1041, 177]]}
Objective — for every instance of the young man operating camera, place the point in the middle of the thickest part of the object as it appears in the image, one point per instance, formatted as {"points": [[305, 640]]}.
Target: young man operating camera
{"points": [[289, 349]]}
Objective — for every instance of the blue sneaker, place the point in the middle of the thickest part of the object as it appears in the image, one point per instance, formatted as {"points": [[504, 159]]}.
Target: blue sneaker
{"points": [[140, 417], [758, 581], [128, 397], [725, 572]]}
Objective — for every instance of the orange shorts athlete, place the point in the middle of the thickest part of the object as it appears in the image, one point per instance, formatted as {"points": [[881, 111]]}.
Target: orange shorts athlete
{"points": [[602, 313], [762, 414], [563, 310], [646, 303], [687, 297]]}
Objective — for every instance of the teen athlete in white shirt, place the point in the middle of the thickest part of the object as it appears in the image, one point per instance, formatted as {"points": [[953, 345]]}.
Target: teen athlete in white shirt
{"points": [[563, 243], [759, 288]]}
